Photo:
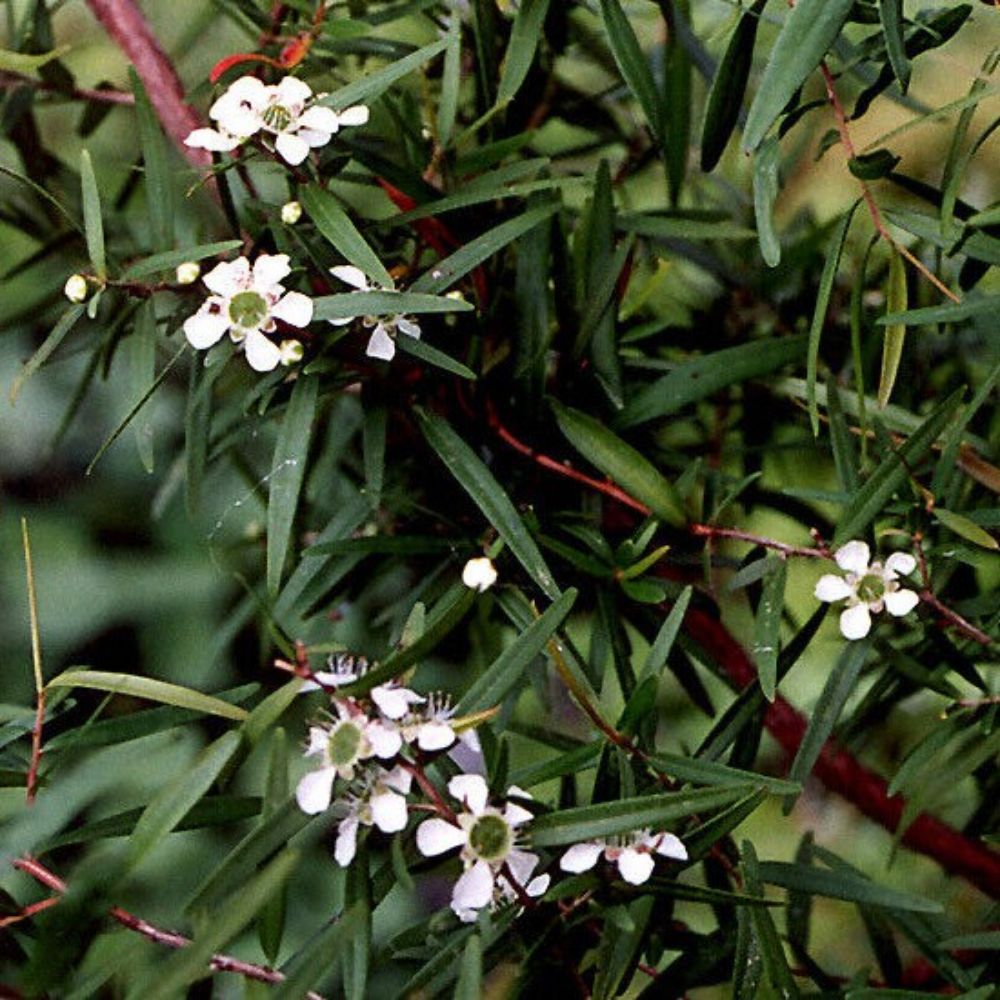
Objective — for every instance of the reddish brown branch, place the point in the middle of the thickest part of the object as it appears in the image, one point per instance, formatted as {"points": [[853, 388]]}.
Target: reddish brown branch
{"points": [[9, 81], [125, 23], [712, 531], [36, 747], [169, 939], [842, 773]]}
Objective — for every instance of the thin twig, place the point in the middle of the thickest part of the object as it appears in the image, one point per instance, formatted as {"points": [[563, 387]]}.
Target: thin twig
{"points": [[101, 95], [36, 664], [821, 551]]}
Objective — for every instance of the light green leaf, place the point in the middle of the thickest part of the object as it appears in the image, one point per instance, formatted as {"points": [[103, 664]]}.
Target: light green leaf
{"points": [[58, 334], [767, 626], [159, 176], [470, 973], [22, 62], [93, 226], [524, 38], [307, 967], [766, 161], [965, 528], [371, 86], [169, 260], [659, 652], [949, 312], [891, 15], [348, 305], [451, 81], [895, 334], [142, 371]]}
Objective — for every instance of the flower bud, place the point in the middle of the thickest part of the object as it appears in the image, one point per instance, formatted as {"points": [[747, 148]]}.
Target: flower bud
{"points": [[291, 352], [188, 272], [291, 212], [75, 288], [479, 574]]}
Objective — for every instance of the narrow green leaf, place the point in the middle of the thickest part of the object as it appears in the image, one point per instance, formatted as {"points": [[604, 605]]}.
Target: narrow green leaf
{"points": [[873, 166], [266, 715], [489, 496], [608, 818], [287, 474], [949, 312], [621, 462], [965, 528], [423, 351], [891, 15], [809, 31], [524, 38], [348, 305], [373, 436], [676, 102], [142, 371], [684, 227], [93, 226], [830, 265], [169, 259], [766, 161], [505, 671], [470, 973], [705, 376], [765, 934], [895, 335], [159, 177], [659, 652], [22, 62], [58, 334], [271, 921], [767, 626], [451, 81], [310, 964], [845, 455], [708, 772], [148, 689]]}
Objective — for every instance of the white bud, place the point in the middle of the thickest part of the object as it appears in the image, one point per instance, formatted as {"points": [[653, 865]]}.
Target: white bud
{"points": [[291, 212], [188, 272], [479, 574], [291, 352], [75, 288]]}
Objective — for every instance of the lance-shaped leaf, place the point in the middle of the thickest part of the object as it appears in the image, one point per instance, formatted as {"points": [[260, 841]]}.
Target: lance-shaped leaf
{"points": [[348, 305], [524, 38], [895, 333], [766, 161], [93, 224], [767, 626]]}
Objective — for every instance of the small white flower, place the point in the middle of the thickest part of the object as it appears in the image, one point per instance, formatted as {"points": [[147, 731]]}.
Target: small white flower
{"points": [[291, 352], [486, 836], [246, 302], [188, 272], [382, 343], [867, 587], [75, 288], [342, 669], [479, 574], [291, 212], [381, 803], [633, 854], [287, 111], [430, 726]]}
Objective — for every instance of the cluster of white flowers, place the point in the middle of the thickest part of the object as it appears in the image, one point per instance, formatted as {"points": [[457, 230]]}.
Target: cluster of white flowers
{"points": [[287, 111], [382, 343], [633, 854]]}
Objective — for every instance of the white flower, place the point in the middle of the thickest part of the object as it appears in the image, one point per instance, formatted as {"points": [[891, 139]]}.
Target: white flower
{"points": [[429, 727], [486, 836], [633, 854], [479, 574], [75, 288], [291, 212], [286, 111], [188, 272], [246, 303], [867, 587], [382, 343], [343, 669], [381, 803]]}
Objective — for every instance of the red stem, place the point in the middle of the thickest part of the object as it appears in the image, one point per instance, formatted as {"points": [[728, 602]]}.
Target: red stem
{"points": [[36, 748]]}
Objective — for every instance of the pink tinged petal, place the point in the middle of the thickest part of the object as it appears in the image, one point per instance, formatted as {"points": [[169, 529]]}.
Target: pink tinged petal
{"points": [[671, 847], [522, 865], [204, 329], [388, 811], [468, 754], [832, 588], [314, 791], [291, 148], [317, 741], [263, 355], [853, 557], [899, 564], [394, 702], [269, 270], [229, 277], [358, 114], [398, 779], [435, 736], [294, 308], [386, 742], [474, 889], [581, 857], [313, 138], [347, 841], [292, 90], [635, 866], [470, 789], [321, 119], [381, 345], [351, 275], [408, 326], [517, 815], [216, 142], [435, 836], [538, 886], [900, 602], [855, 622]]}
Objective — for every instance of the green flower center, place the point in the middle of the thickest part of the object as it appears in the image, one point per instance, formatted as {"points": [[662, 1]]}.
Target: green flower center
{"points": [[871, 588], [248, 310], [489, 838], [344, 744], [277, 118]]}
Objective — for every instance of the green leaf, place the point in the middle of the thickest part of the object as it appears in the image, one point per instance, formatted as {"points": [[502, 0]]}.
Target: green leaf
{"points": [[892, 473], [58, 334], [767, 626], [470, 973], [451, 82], [505, 671], [659, 651], [489, 496], [895, 335], [766, 161], [524, 38], [312, 962], [705, 376], [22, 62], [729, 86], [675, 100], [287, 474], [148, 689], [844, 453], [891, 15], [350, 305], [965, 528], [708, 772], [621, 462], [159, 176], [683, 227], [765, 934], [270, 710], [842, 885], [949, 312], [446, 272], [142, 371], [830, 265], [178, 797], [873, 166], [424, 352], [340, 232], [371, 86], [809, 31], [168, 260], [569, 826], [92, 224]]}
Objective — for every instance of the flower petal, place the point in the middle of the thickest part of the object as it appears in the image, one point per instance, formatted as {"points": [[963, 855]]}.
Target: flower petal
{"points": [[204, 328], [358, 114], [399, 779], [470, 789], [435, 736], [314, 791], [581, 857], [635, 866], [408, 326], [291, 148], [347, 841], [313, 137], [522, 865], [292, 90], [321, 119], [381, 345], [435, 836], [229, 277], [385, 742], [855, 622], [671, 847], [294, 308], [853, 557], [263, 355], [270, 269], [394, 702], [538, 886], [210, 139], [351, 275], [516, 815], [900, 602], [831, 587], [899, 564], [388, 811], [473, 890]]}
